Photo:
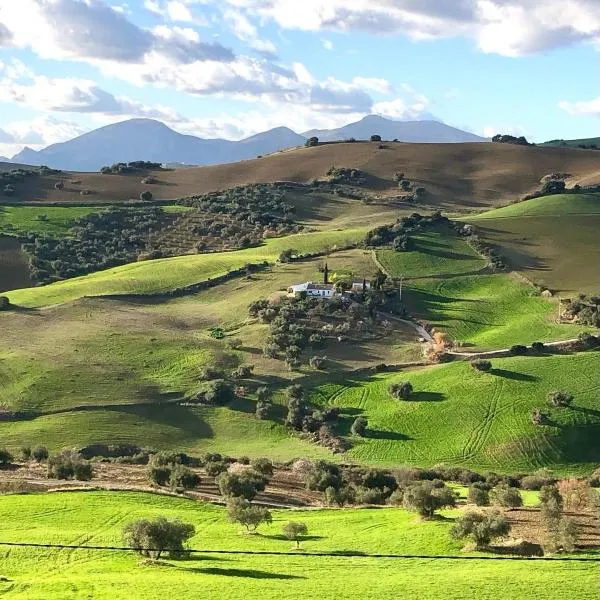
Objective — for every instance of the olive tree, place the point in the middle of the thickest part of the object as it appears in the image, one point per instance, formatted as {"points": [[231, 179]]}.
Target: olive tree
{"points": [[294, 531], [426, 497], [506, 496], [153, 537], [402, 390], [482, 528], [359, 427], [560, 399], [243, 485], [242, 511]]}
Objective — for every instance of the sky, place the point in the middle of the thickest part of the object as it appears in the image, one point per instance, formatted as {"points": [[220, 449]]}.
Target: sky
{"points": [[233, 68]]}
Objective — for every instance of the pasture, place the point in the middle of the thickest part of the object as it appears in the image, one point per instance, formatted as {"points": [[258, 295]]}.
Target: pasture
{"points": [[54, 221], [460, 416], [97, 518]]}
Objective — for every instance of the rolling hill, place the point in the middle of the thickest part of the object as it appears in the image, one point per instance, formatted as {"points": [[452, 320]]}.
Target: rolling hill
{"points": [[460, 177]]}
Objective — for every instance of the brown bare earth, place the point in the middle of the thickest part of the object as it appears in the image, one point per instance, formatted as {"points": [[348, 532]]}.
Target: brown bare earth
{"points": [[14, 269], [474, 175]]}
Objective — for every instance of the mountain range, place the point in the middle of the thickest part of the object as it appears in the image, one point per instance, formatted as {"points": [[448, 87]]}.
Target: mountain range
{"points": [[147, 139]]}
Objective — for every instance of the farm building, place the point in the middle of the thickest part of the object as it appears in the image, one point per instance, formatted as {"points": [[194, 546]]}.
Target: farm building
{"points": [[319, 290], [360, 285]]}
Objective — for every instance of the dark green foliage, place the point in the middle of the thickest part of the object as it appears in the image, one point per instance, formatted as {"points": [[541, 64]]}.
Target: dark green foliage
{"points": [[69, 464], [538, 417], [5, 457], [40, 453], [243, 372], [338, 496], [245, 485], [159, 475], [287, 255], [218, 393], [153, 537], [146, 196], [375, 138], [243, 512], [323, 475], [506, 496], [209, 372], [359, 427], [401, 391], [312, 141], [479, 494], [538, 347], [427, 497], [553, 187], [25, 453], [482, 528], [182, 477], [347, 176], [263, 466], [560, 399], [551, 506], [317, 362], [518, 350], [296, 406], [4, 303], [131, 167], [479, 364], [510, 139]]}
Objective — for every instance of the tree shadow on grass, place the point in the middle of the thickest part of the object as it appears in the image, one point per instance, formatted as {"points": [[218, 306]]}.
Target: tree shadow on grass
{"points": [[377, 434], [304, 538], [592, 412], [249, 573], [427, 397], [513, 375]]}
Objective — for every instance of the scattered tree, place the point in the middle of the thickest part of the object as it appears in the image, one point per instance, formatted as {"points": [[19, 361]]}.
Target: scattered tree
{"points": [[4, 303], [242, 485], [482, 528], [479, 364], [576, 493], [287, 255], [69, 464], [294, 531], [402, 390], [359, 427], [322, 474], [560, 399], [551, 506], [40, 453], [183, 477], [312, 141], [153, 537], [5, 457], [263, 466], [478, 494], [240, 510], [375, 138], [506, 496], [218, 392], [146, 196], [426, 497]]}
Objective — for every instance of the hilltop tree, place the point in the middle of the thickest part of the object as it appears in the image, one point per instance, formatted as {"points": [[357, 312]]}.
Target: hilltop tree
{"points": [[153, 537], [375, 138], [312, 141], [294, 531]]}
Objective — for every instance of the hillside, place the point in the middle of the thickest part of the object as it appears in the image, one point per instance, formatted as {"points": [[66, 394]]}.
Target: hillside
{"points": [[456, 177]]}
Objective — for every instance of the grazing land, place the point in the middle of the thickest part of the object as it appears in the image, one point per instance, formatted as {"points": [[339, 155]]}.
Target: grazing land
{"points": [[493, 410], [96, 518]]}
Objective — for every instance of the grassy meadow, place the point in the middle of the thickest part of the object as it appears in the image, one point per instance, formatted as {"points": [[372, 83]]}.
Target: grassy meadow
{"points": [[460, 416], [47, 220], [97, 518]]}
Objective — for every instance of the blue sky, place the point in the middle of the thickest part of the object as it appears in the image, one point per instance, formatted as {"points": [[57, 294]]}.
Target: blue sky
{"points": [[232, 68]]}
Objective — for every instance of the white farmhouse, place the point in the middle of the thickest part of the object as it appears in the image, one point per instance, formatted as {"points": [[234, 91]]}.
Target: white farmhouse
{"points": [[318, 290]]}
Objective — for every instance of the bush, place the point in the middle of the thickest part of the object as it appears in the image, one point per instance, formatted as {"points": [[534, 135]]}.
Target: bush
{"points": [[537, 481], [182, 477], [244, 485], [218, 393], [25, 453], [376, 138], [560, 399], [263, 466], [322, 475], [243, 512], [426, 497], [538, 347], [563, 537], [243, 372], [506, 496], [4, 303], [481, 528], [551, 506], [69, 465], [40, 453], [359, 427], [338, 497], [153, 537], [518, 350], [146, 196], [576, 493], [317, 362], [6, 457], [294, 531], [312, 141], [159, 475], [401, 390], [482, 365], [478, 495]]}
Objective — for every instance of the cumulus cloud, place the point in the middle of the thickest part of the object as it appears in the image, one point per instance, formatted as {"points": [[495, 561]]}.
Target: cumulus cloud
{"points": [[247, 32], [92, 30], [507, 27], [42, 131], [5, 36], [585, 107], [6, 138]]}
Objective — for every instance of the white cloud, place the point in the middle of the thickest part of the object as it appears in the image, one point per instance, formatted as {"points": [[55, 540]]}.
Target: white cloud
{"points": [[507, 27], [490, 131], [328, 44], [42, 131], [247, 32], [178, 11], [584, 107]]}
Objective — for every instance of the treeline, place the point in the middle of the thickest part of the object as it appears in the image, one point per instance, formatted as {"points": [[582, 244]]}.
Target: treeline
{"points": [[130, 167], [398, 234], [8, 179]]}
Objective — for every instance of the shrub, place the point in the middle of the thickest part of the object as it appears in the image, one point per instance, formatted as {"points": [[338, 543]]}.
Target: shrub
{"points": [[538, 417], [312, 141], [263, 466], [537, 481], [338, 497], [4, 303], [243, 512], [245, 485], [560, 399], [551, 506], [481, 528], [317, 362], [375, 138], [322, 475], [146, 196], [40, 453], [159, 475], [25, 453], [59, 185], [506, 496], [576, 493], [359, 427], [518, 350], [182, 477], [426, 497], [243, 372], [401, 390], [153, 537], [209, 372], [563, 537], [538, 347], [215, 468], [482, 365], [218, 392], [478, 495], [5, 457], [69, 464]]}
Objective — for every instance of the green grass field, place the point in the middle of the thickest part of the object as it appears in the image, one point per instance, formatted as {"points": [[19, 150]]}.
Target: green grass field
{"points": [[167, 274], [558, 205], [98, 517], [435, 253], [486, 311], [48, 220], [462, 417]]}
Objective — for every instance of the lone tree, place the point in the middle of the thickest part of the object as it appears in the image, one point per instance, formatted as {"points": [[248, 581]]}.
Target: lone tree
{"points": [[241, 485], [506, 496], [375, 138], [481, 528], [4, 303], [560, 399], [287, 255], [146, 196], [478, 494], [482, 365], [294, 531], [401, 390], [5, 457], [551, 506], [240, 510], [359, 427], [312, 141], [426, 497], [153, 537]]}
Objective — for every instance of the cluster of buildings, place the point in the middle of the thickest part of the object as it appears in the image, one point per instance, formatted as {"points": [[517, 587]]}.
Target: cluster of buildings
{"points": [[327, 290]]}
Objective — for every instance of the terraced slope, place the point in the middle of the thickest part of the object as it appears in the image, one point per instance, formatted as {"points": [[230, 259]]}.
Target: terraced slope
{"points": [[462, 417], [97, 518]]}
